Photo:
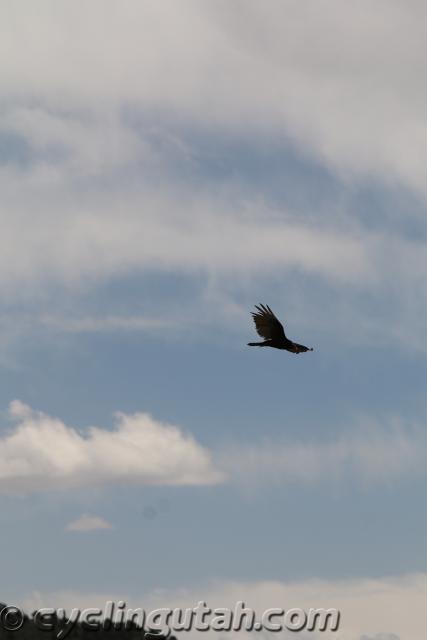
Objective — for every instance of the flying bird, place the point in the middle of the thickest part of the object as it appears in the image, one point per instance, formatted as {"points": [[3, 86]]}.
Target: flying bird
{"points": [[271, 329]]}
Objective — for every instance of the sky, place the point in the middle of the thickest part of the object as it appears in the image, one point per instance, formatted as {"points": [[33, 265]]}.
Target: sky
{"points": [[165, 166]]}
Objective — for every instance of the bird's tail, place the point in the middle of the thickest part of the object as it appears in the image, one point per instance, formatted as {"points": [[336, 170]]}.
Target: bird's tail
{"points": [[257, 344]]}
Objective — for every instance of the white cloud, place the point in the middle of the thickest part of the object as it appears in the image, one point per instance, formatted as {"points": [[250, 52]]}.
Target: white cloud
{"points": [[368, 453], [88, 522], [42, 453], [371, 608]]}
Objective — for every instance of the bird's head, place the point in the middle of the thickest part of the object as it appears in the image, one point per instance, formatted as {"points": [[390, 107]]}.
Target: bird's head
{"points": [[300, 348]]}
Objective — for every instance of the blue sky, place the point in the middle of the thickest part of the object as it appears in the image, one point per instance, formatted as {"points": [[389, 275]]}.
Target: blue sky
{"points": [[161, 173]]}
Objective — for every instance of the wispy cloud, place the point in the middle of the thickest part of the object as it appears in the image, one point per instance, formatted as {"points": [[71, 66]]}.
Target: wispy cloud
{"points": [[106, 323], [171, 231], [370, 452]]}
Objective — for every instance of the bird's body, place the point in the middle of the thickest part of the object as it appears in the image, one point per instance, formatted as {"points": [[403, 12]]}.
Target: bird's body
{"points": [[271, 329]]}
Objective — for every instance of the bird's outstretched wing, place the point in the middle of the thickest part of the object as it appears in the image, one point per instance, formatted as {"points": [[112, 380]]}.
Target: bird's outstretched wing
{"points": [[266, 323]]}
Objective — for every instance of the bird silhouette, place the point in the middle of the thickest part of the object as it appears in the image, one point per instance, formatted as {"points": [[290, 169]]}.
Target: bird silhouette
{"points": [[271, 329]]}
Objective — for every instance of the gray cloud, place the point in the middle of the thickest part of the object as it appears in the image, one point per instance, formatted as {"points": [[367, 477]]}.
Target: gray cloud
{"points": [[99, 195], [289, 67]]}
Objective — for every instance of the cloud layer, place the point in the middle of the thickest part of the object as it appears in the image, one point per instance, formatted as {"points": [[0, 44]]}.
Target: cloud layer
{"points": [[42, 453], [289, 68], [371, 609], [103, 174]]}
